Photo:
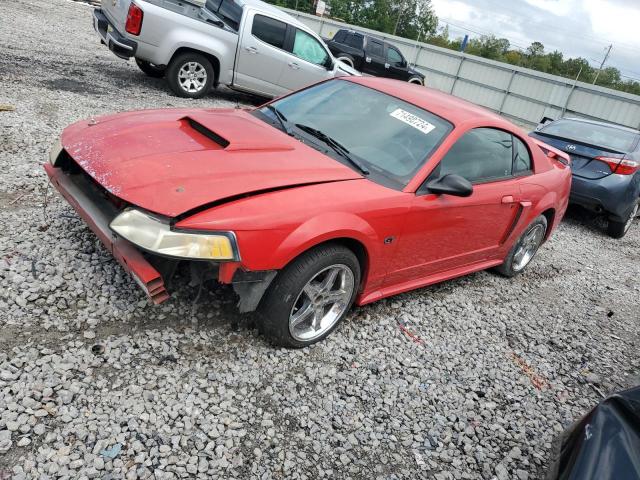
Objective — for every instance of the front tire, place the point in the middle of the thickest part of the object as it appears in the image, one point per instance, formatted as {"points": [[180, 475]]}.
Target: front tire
{"points": [[190, 75], [617, 229], [524, 249], [150, 69], [310, 297], [417, 80]]}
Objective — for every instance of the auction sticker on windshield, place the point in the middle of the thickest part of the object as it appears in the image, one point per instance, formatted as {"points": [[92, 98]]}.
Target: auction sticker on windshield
{"points": [[413, 120]]}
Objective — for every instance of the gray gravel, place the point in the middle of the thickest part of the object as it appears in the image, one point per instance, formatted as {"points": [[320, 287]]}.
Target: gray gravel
{"points": [[96, 383]]}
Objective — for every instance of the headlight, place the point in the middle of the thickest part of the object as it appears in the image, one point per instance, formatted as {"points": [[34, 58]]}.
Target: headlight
{"points": [[152, 234], [55, 151]]}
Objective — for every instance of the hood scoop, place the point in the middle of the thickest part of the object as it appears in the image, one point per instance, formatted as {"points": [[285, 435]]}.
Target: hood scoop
{"points": [[210, 134], [231, 132]]}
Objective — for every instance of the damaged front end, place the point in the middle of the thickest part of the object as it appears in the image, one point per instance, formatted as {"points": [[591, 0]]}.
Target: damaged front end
{"points": [[147, 246]]}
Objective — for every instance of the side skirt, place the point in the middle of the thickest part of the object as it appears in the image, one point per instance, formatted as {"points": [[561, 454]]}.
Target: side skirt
{"points": [[426, 281]]}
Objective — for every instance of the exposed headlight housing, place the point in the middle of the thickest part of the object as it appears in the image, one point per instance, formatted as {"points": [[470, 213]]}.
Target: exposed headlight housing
{"points": [[154, 235], [56, 150]]}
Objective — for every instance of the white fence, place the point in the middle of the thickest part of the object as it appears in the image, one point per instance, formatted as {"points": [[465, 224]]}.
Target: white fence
{"points": [[521, 94]]}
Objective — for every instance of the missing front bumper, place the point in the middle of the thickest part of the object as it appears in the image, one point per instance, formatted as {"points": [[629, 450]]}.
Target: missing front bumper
{"points": [[97, 215]]}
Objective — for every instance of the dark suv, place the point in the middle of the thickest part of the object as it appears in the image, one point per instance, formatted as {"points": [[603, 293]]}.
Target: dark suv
{"points": [[372, 56]]}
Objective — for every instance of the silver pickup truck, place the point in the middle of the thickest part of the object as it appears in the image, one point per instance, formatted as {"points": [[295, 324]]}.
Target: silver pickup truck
{"points": [[247, 45]]}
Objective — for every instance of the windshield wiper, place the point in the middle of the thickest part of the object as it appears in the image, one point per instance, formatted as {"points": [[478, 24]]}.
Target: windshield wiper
{"points": [[281, 118], [337, 147]]}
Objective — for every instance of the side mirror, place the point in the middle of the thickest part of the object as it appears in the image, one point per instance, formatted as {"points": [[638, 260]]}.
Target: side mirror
{"points": [[451, 184], [329, 64]]}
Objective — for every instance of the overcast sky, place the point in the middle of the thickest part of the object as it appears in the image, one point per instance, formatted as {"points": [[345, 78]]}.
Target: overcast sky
{"points": [[582, 28]]}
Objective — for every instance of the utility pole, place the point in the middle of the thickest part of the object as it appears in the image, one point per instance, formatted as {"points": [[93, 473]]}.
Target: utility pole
{"points": [[400, 10], [606, 56]]}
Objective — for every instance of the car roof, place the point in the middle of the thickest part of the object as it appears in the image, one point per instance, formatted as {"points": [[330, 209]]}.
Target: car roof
{"points": [[453, 109], [604, 124]]}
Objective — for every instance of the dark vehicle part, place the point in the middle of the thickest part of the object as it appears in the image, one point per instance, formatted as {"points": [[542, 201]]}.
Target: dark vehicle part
{"points": [[616, 229], [451, 184], [372, 56], [309, 298], [150, 69], [604, 444], [605, 166]]}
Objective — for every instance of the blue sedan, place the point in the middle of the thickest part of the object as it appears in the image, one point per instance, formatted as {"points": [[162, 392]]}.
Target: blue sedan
{"points": [[605, 164]]}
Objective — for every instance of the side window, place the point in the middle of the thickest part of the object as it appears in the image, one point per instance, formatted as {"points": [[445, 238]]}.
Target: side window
{"points": [[269, 30], [521, 157], [482, 154], [308, 48], [394, 57], [376, 48], [354, 40], [339, 37], [227, 10]]}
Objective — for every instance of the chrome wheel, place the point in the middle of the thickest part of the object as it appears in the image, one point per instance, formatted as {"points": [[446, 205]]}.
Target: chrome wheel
{"points": [[192, 77], [528, 247], [321, 302]]}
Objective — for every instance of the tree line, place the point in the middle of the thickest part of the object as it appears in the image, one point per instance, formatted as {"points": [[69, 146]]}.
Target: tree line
{"points": [[415, 19]]}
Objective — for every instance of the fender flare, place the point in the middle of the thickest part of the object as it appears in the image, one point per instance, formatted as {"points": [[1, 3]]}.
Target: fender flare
{"points": [[325, 227]]}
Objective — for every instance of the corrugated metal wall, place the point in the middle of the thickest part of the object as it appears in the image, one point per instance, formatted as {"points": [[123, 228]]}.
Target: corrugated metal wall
{"points": [[521, 94]]}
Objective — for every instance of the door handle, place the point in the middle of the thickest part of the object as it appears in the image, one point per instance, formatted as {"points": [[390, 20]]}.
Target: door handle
{"points": [[386, 65], [507, 199], [367, 59], [294, 65], [251, 49]]}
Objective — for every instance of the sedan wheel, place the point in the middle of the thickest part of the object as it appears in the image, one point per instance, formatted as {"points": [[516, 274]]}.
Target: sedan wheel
{"points": [[619, 229], [310, 296], [528, 247], [322, 301], [524, 249]]}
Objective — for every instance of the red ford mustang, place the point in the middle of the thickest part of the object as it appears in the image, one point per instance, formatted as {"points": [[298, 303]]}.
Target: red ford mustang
{"points": [[348, 191]]}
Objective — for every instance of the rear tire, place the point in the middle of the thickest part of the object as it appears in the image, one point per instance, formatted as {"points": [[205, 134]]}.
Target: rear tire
{"points": [[617, 229], [348, 59], [524, 249], [281, 313], [417, 80], [190, 75], [150, 69]]}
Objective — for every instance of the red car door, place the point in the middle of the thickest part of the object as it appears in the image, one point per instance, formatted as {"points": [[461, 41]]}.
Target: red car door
{"points": [[444, 232]]}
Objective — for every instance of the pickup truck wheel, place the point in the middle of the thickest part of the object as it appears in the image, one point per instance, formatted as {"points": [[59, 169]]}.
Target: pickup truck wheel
{"points": [[309, 297], [344, 58], [619, 229], [190, 75], [416, 80], [150, 69], [524, 249]]}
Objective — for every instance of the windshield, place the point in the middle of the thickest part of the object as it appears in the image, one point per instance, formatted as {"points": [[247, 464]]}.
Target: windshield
{"points": [[609, 137], [391, 138]]}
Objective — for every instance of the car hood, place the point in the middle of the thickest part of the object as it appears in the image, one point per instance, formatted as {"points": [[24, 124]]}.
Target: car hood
{"points": [[173, 161]]}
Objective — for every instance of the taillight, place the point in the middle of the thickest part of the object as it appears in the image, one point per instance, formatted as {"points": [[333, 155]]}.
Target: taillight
{"points": [[134, 19], [620, 167]]}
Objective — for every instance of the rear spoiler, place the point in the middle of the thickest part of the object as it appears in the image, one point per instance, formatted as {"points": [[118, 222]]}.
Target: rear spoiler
{"points": [[552, 152], [543, 122]]}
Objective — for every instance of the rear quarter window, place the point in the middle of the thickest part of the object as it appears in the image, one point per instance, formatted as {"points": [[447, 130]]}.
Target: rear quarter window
{"points": [[340, 36], [354, 40], [269, 30]]}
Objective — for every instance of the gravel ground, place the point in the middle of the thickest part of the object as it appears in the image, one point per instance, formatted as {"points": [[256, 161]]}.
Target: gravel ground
{"points": [[96, 383]]}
